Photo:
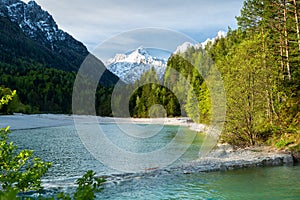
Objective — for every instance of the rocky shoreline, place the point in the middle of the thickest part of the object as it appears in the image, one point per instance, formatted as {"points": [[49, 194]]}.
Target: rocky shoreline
{"points": [[224, 157]]}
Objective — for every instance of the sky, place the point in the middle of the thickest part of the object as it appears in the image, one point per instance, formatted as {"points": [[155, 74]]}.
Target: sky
{"points": [[95, 21]]}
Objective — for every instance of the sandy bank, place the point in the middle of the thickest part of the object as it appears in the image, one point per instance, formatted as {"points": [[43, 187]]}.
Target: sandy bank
{"points": [[20, 121]]}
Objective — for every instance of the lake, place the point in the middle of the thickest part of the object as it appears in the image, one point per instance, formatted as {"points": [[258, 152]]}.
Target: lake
{"points": [[62, 146]]}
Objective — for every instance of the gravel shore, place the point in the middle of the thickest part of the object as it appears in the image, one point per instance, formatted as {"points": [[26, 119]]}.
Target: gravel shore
{"points": [[223, 158]]}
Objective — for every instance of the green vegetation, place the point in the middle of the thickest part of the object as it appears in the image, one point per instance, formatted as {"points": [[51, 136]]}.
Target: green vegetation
{"points": [[45, 90], [21, 171], [88, 185], [260, 67], [151, 94], [44, 77], [259, 63], [183, 91]]}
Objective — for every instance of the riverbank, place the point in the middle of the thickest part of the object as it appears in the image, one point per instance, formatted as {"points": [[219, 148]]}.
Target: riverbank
{"points": [[225, 157], [22, 121], [222, 158]]}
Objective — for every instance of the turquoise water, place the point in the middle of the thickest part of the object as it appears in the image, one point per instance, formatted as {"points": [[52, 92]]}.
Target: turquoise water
{"points": [[62, 146], [259, 183]]}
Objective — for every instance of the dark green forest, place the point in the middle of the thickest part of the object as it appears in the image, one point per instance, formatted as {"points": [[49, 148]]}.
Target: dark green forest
{"points": [[43, 78]]}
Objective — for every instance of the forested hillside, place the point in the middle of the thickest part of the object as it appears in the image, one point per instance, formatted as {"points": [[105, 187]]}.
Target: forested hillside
{"points": [[43, 78], [260, 67]]}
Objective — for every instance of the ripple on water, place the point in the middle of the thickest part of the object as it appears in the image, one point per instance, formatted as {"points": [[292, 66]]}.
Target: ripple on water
{"points": [[62, 146]]}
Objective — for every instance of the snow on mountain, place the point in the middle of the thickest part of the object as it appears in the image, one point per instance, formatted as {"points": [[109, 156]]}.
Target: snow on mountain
{"points": [[32, 19], [221, 34], [39, 25], [131, 66], [185, 46]]}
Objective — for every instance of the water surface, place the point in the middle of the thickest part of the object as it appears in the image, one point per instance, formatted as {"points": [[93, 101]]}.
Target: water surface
{"points": [[62, 146]]}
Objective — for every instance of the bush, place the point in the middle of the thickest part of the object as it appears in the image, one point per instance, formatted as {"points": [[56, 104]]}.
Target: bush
{"points": [[21, 171]]}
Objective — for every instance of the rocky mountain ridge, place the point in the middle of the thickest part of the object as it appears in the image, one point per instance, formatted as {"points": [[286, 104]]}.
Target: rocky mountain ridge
{"points": [[131, 66], [40, 26]]}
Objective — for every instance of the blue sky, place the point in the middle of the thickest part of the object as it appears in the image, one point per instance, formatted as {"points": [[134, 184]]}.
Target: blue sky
{"points": [[94, 21]]}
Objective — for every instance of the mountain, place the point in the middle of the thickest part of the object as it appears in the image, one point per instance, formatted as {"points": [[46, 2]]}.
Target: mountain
{"points": [[30, 35], [129, 67], [187, 45], [40, 61], [40, 26], [220, 34]]}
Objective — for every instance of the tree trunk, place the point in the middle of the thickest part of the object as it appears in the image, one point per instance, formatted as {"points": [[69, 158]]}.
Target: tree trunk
{"points": [[281, 55], [297, 23], [267, 77], [286, 40]]}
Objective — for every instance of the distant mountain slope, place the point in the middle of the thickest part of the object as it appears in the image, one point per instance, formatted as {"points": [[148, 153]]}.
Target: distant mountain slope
{"points": [[39, 25], [40, 61], [29, 34], [130, 67], [187, 45], [16, 45]]}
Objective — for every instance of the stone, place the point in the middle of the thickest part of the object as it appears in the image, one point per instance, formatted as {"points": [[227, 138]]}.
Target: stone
{"points": [[288, 159]]}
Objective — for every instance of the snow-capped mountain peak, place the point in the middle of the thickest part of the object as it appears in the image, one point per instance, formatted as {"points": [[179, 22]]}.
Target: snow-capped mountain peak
{"points": [[187, 45], [221, 34], [140, 55], [129, 67]]}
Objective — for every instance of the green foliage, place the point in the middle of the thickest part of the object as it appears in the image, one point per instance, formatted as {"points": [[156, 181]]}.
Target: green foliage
{"points": [[88, 185], [260, 63], [9, 194], [283, 143], [10, 102], [144, 100], [6, 96], [183, 91], [43, 75], [19, 169], [192, 106], [46, 89]]}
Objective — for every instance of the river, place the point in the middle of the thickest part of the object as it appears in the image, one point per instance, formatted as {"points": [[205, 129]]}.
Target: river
{"points": [[62, 146]]}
